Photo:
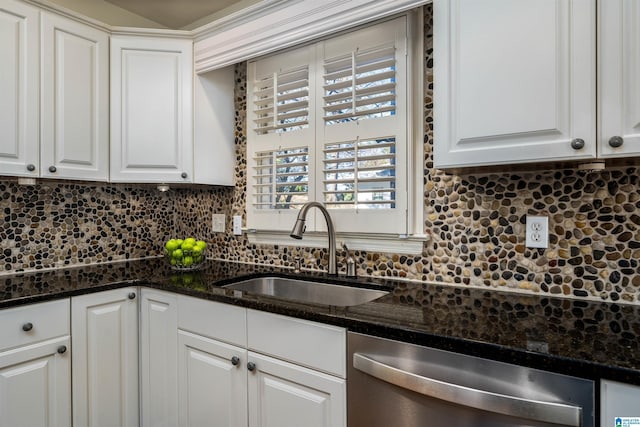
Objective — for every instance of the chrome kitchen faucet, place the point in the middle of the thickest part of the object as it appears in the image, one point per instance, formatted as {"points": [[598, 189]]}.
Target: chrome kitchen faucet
{"points": [[299, 228]]}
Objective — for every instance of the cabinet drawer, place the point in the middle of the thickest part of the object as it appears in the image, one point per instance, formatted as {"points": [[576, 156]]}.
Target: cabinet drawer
{"points": [[215, 320], [47, 320], [311, 344]]}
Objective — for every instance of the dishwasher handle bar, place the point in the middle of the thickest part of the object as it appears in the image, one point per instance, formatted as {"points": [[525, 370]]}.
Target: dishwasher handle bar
{"points": [[566, 415]]}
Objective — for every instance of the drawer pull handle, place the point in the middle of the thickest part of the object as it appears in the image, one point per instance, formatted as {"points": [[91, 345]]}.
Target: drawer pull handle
{"points": [[184, 175], [31, 167], [616, 141], [53, 169], [577, 143], [132, 295], [27, 326], [235, 360], [251, 366], [62, 349]]}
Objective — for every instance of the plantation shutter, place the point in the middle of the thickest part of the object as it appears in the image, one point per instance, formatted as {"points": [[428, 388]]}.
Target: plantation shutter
{"points": [[280, 138], [363, 128], [360, 174]]}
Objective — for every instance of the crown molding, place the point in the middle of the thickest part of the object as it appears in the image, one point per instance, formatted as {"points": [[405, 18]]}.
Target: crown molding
{"points": [[278, 24]]}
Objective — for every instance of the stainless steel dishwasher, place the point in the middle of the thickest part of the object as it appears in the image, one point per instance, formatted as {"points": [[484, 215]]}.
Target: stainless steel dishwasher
{"points": [[396, 384]]}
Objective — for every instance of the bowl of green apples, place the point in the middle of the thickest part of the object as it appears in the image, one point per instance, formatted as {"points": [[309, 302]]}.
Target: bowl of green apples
{"points": [[185, 254]]}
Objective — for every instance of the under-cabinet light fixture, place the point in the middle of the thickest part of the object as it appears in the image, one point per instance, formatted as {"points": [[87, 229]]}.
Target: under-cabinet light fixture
{"points": [[591, 166], [163, 188]]}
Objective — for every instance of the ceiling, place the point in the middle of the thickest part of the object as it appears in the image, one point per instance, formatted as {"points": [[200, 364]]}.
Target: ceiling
{"points": [[174, 13]]}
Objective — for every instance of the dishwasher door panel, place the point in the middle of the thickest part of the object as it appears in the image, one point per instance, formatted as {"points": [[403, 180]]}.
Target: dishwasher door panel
{"points": [[404, 385]]}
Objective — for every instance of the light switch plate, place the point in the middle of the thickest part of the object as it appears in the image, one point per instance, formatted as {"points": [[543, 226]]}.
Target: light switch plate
{"points": [[537, 233], [217, 223], [237, 225]]}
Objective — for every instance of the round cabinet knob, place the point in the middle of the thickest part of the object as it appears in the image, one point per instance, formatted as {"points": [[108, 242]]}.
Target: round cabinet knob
{"points": [[53, 169], [251, 366], [132, 295], [235, 360], [577, 143], [616, 141], [184, 175], [62, 349], [31, 167], [27, 326]]}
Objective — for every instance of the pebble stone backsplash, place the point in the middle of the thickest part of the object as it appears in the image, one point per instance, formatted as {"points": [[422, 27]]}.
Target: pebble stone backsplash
{"points": [[475, 224]]}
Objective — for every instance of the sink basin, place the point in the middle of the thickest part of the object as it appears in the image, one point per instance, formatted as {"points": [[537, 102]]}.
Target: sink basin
{"points": [[305, 291]]}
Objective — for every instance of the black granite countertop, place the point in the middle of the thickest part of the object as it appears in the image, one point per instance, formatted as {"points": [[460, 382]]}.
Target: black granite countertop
{"points": [[575, 337]]}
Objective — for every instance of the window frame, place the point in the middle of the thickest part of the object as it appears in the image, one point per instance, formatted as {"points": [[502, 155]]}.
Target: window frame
{"points": [[408, 239]]}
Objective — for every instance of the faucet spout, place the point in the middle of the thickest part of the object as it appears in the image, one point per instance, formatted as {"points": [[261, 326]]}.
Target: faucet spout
{"points": [[300, 226]]}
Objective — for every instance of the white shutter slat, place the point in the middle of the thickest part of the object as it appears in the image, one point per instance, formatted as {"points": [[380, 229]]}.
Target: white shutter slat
{"points": [[283, 126], [377, 77], [367, 91], [360, 173], [360, 86], [363, 145], [280, 178], [281, 102], [363, 103], [360, 113]]}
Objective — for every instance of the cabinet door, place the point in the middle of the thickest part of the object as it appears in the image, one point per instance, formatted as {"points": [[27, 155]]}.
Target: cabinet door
{"points": [[618, 401], [104, 327], [514, 82], [212, 384], [75, 103], [151, 110], [159, 358], [19, 89], [35, 385], [618, 71], [282, 394]]}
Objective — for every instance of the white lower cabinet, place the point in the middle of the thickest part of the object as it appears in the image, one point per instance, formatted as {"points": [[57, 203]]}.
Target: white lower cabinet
{"points": [[154, 358], [239, 367], [35, 366], [212, 382], [298, 372], [158, 358], [35, 385], [104, 327], [283, 394], [618, 400]]}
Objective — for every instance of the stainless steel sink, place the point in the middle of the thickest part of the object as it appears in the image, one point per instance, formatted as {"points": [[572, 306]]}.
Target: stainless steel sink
{"points": [[306, 291]]}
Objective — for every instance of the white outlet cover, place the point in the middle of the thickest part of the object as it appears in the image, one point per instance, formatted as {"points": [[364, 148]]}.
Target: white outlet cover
{"points": [[217, 223], [537, 231]]}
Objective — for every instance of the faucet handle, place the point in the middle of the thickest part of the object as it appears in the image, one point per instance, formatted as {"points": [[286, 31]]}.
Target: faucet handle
{"points": [[351, 263]]}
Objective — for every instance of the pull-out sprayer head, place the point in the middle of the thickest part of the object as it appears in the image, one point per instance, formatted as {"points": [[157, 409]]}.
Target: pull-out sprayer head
{"points": [[298, 229]]}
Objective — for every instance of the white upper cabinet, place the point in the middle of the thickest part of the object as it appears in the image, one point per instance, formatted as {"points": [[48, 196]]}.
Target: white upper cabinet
{"points": [[515, 81], [75, 100], [19, 89], [214, 127], [618, 73], [151, 109], [53, 114]]}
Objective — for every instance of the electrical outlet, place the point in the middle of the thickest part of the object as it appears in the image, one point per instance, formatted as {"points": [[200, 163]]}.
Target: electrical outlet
{"points": [[237, 225], [217, 223], [537, 233]]}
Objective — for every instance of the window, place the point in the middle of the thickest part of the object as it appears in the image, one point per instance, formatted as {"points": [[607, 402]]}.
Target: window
{"points": [[329, 122]]}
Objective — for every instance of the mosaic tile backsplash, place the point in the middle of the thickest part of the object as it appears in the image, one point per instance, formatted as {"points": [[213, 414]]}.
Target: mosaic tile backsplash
{"points": [[475, 223]]}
